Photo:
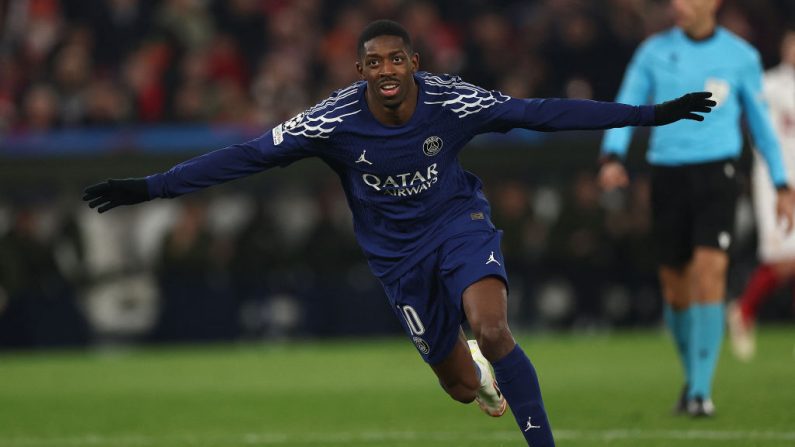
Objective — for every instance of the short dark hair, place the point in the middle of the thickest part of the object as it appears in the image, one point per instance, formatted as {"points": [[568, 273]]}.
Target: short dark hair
{"points": [[383, 28]]}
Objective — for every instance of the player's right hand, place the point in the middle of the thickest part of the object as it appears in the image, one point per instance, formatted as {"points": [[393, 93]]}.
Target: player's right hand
{"points": [[613, 175], [114, 192]]}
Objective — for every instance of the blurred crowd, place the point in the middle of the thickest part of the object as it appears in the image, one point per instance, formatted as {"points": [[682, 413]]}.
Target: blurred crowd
{"points": [[67, 63]]}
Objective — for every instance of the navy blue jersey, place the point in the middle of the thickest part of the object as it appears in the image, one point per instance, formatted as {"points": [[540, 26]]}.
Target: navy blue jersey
{"points": [[404, 184]]}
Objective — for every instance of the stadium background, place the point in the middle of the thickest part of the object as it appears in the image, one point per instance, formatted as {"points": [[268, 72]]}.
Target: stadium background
{"points": [[98, 89]]}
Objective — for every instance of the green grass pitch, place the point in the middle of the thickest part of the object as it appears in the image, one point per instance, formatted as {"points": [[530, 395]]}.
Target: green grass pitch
{"points": [[601, 390]]}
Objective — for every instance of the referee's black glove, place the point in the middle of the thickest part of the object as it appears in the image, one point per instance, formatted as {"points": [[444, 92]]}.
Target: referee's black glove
{"points": [[683, 108], [114, 192]]}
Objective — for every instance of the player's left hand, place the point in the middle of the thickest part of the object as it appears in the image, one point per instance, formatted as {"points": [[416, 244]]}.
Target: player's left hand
{"points": [[684, 107], [114, 192], [785, 207]]}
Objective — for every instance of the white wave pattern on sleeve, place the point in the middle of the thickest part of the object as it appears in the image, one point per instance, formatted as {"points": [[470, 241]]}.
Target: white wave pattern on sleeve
{"points": [[320, 120], [461, 97]]}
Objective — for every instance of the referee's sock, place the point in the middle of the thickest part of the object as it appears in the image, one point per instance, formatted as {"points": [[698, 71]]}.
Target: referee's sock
{"points": [[519, 384], [706, 341], [680, 323]]}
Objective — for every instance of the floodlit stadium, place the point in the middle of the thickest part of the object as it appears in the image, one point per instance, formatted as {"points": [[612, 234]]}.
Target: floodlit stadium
{"points": [[369, 222]]}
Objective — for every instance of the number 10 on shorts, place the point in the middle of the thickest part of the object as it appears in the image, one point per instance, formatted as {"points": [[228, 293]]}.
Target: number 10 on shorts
{"points": [[413, 320]]}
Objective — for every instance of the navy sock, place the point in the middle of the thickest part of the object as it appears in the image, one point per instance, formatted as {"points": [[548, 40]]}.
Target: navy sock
{"points": [[519, 384]]}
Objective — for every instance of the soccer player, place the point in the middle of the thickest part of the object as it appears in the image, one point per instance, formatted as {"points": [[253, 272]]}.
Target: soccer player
{"points": [[423, 222], [694, 186], [776, 248]]}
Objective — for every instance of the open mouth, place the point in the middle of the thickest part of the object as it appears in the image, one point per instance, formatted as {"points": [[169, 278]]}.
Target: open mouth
{"points": [[389, 88]]}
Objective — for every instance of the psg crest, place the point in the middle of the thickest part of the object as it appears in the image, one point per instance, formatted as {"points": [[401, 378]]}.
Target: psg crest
{"points": [[422, 345], [432, 146]]}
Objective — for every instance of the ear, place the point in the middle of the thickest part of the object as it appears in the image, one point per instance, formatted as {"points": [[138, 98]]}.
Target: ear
{"points": [[360, 69], [415, 62]]}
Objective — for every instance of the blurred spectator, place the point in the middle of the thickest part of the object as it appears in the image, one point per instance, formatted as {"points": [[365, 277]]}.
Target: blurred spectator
{"points": [[142, 73], [629, 226], [337, 49], [187, 21], [38, 306], [225, 62], [40, 110], [106, 104], [278, 87], [245, 21], [197, 301], [261, 270], [436, 41], [193, 99], [579, 245], [633, 268], [491, 50], [522, 233], [117, 26], [72, 75]]}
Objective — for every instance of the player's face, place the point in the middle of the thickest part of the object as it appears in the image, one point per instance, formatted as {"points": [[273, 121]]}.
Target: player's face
{"points": [[388, 69], [690, 14]]}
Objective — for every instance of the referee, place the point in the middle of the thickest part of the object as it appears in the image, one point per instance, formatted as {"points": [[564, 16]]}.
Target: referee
{"points": [[694, 186]]}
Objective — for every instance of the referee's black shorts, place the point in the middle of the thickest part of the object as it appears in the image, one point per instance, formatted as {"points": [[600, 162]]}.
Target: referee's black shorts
{"points": [[692, 206]]}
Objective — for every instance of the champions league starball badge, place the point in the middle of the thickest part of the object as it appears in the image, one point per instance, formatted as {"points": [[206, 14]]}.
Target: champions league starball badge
{"points": [[432, 146]]}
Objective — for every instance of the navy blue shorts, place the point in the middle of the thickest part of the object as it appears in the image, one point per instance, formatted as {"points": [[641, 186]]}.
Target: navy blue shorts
{"points": [[427, 299]]}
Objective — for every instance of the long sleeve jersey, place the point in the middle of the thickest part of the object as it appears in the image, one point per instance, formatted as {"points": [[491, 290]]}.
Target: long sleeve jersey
{"points": [[671, 64], [404, 184]]}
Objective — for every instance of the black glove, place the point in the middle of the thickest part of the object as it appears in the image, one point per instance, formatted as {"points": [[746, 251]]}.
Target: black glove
{"points": [[114, 192], [683, 108]]}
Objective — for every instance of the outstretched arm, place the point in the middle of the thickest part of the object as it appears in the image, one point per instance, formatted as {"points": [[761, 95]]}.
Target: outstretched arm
{"points": [[576, 114], [215, 167], [549, 115]]}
